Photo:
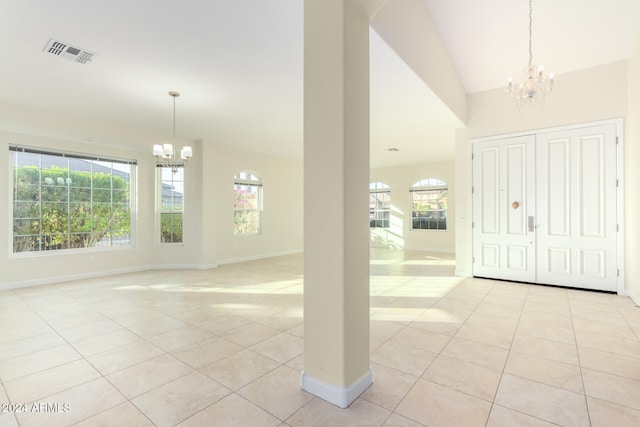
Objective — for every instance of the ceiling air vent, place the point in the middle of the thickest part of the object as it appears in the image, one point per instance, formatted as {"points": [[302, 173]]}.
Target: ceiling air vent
{"points": [[66, 51]]}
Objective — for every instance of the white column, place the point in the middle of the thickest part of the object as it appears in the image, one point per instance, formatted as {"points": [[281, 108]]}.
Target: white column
{"points": [[336, 192]]}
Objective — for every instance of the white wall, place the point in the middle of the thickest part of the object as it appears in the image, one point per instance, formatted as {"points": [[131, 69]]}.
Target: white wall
{"points": [[632, 177], [29, 269], [208, 223], [400, 234], [587, 95], [282, 203], [407, 27]]}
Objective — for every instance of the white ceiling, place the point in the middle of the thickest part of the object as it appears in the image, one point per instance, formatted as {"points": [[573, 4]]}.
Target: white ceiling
{"points": [[488, 40], [238, 66]]}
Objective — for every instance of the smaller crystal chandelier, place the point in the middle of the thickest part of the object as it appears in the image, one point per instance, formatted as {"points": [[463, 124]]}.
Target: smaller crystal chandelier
{"points": [[165, 152], [535, 84]]}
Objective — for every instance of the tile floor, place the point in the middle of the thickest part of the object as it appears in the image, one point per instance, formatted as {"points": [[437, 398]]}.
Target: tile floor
{"points": [[224, 348]]}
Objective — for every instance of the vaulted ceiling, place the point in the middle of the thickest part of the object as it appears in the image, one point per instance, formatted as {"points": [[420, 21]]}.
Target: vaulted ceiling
{"points": [[238, 66]]}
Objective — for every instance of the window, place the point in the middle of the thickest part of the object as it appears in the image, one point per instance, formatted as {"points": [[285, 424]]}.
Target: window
{"points": [[247, 204], [379, 205], [171, 203], [429, 205], [69, 201]]}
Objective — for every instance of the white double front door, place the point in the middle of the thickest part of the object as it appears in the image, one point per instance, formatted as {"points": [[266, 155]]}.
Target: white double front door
{"points": [[544, 208]]}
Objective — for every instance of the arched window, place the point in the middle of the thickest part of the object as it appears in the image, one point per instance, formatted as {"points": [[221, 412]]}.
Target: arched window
{"points": [[429, 204], [247, 203], [379, 205]]}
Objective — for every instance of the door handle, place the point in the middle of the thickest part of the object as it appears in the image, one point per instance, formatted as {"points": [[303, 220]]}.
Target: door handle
{"points": [[532, 226]]}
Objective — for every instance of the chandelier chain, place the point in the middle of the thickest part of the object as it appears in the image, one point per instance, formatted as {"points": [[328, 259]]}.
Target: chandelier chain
{"points": [[530, 33]]}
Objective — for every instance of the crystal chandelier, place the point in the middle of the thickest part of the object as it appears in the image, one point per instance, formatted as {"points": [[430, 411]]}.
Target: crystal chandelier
{"points": [[535, 84], [165, 152]]}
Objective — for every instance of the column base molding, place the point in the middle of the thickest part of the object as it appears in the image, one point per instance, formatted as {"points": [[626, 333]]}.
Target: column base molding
{"points": [[339, 396]]}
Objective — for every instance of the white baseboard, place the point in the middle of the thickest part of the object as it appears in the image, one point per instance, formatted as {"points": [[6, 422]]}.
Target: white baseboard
{"points": [[339, 396], [71, 277], [634, 298], [462, 273]]}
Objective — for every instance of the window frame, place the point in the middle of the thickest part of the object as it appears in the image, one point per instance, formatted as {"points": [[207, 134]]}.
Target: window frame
{"points": [[428, 187], [161, 209], [250, 179], [374, 213], [72, 238]]}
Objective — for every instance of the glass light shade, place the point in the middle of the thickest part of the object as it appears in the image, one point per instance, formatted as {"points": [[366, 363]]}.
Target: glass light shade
{"points": [[167, 150], [157, 150], [186, 153]]}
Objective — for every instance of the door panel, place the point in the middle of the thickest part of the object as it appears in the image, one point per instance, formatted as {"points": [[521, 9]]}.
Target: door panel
{"points": [[577, 208], [503, 191], [544, 208]]}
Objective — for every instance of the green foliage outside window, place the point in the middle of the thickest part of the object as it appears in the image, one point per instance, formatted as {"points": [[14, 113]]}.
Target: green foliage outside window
{"points": [[171, 227], [58, 208]]}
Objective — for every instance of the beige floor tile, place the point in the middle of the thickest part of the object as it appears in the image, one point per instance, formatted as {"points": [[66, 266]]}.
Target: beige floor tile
{"points": [[553, 333], [611, 363], [221, 325], [607, 414], [319, 413], [464, 376], [156, 326], [145, 376], [486, 335], [477, 353], [277, 392], [30, 326], [30, 345], [612, 388], [389, 386], [54, 380], [504, 417], [438, 323], [68, 320], [385, 330], [88, 330], [546, 349], [232, 410], [281, 348], [608, 344], [562, 375], [250, 334], [108, 341], [179, 338], [180, 399], [512, 311], [396, 314], [206, 351], [595, 314], [36, 362], [542, 401], [396, 420], [239, 369], [444, 407], [75, 404], [282, 322], [404, 358], [8, 419], [422, 339], [124, 356], [141, 316], [547, 318], [616, 330], [547, 305], [508, 324], [416, 304], [124, 414]]}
